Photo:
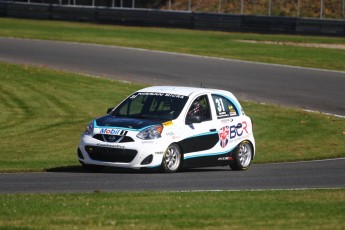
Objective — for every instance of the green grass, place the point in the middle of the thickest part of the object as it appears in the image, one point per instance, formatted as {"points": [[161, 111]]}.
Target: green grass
{"points": [[44, 112], [313, 209], [288, 134], [217, 44]]}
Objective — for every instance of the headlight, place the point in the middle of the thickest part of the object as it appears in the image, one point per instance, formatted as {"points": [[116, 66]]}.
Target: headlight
{"points": [[152, 132], [89, 129]]}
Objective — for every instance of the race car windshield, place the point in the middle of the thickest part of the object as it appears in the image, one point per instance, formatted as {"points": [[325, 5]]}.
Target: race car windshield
{"points": [[151, 105]]}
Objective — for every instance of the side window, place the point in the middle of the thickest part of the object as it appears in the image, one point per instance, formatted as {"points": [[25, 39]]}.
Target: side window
{"points": [[224, 107], [200, 107]]}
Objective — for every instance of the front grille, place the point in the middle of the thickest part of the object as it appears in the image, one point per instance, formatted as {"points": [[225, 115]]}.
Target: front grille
{"points": [[113, 138], [111, 154]]}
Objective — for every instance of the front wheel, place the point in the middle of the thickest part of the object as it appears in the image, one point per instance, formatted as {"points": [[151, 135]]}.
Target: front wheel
{"points": [[242, 157], [172, 159]]}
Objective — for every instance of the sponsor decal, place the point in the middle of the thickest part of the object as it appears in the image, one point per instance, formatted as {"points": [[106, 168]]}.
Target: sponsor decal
{"points": [[168, 123], [147, 142], [111, 138], [113, 132], [159, 153], [133, 96], [224, 136], [170, 133], [174, 95], [226, 120], [233, 112], [223, 158], [150, 94], [222, 114], [110, 146], [234, 132], [157, 94], [229, 133]]}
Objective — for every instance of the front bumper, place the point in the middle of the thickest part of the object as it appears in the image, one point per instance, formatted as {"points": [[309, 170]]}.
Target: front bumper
{"points": [[137, 154]]}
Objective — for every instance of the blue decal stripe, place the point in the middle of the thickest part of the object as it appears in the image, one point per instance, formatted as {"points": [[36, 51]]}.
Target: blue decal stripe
{"points": [[115, 127], [147, 127], [154, 166], [208, 155], [202, 134]]}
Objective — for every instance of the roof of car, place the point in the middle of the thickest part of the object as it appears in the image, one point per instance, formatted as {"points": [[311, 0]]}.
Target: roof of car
{"points": [[180, 90]]}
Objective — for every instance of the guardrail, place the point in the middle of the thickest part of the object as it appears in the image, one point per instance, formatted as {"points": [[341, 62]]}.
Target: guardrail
{"points": [[323, 9], [175, 19]]}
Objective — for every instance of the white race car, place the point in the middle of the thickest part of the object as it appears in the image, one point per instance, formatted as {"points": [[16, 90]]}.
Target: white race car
{"points": [[170, 127]]}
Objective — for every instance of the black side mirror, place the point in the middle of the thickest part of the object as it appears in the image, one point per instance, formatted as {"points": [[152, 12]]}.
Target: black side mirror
{"points": [[109, 110], [193, 119]]}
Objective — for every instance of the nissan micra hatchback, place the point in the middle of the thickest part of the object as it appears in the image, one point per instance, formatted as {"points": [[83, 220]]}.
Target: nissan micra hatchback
{"points": [[170, 127]]}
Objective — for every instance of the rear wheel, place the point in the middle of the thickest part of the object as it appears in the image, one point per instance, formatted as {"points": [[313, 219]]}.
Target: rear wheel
{"points": [[172, 159], [242, 157]]}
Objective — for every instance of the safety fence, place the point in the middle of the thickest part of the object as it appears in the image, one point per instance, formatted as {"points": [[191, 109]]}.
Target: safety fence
{"points": [[323, 9], [174, 19]]}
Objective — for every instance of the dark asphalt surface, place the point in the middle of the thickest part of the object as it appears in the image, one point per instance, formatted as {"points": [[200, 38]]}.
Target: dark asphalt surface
{"points": [[300, 87], [305, 88], [300, 175]]}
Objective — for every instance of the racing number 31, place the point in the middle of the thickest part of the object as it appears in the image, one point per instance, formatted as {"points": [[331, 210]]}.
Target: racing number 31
{"points": [[220, 105]]}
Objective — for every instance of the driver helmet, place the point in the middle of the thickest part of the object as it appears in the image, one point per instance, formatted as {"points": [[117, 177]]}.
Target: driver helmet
{"points": [[195, 109]]}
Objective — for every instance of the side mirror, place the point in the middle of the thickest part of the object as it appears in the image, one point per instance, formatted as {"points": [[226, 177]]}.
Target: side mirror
{"points": [[109, 110], [193, 119]]}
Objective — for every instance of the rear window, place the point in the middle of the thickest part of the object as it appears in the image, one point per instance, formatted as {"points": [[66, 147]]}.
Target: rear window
{"points": [[224, 107]]}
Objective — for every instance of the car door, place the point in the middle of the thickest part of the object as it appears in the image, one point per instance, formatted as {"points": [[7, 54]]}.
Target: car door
{"points": [[200, 133]]}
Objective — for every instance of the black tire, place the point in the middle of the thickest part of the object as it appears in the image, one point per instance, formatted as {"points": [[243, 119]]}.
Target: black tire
{"points": [[242, 157], [172, 159]]}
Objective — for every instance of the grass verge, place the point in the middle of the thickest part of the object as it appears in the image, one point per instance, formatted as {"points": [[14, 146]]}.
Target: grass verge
{"points": [[43, 113], [303, 209], [217, 44]]}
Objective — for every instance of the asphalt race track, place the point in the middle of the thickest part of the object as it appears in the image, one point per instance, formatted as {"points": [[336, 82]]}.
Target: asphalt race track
{"points": [[300, 175], [300, 87], [312, 89]]}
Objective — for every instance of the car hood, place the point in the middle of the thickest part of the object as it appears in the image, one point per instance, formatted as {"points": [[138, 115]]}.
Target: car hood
{"points": [[123, 122]]}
